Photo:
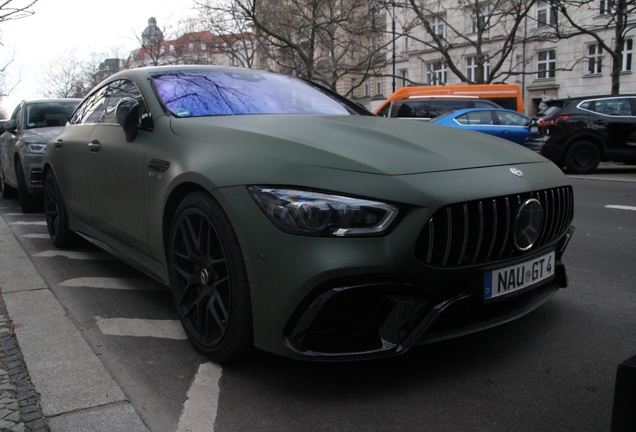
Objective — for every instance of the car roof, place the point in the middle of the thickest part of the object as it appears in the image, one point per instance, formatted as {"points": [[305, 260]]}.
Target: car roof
{"points": [[461, 111], [578, 98]]}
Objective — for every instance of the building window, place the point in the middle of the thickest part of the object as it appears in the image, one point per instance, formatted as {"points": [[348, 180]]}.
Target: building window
{"points": [[594, 59], [367, 86], [191, 46], [436, 73], [203, 46], [546, 14], [606, 7], [171, 48], [471, 69], [406, 43], [546, 64], [378, 85], [480, 19], [627, 55], [404, 74], [438, 26], [162, 49]]}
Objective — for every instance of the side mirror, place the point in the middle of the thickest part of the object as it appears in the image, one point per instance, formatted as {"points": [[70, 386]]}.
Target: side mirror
{"points": [[10, 125], [127, 115]]}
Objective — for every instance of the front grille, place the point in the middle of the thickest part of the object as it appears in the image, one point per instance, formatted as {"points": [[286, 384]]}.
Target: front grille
{"points": [[480, 231]]}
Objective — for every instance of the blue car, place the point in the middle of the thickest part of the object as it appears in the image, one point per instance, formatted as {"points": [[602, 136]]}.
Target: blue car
{"points": [[503, 123]]}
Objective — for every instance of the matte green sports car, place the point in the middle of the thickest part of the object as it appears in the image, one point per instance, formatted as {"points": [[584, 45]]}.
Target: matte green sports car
{"points": [[285, 217]]}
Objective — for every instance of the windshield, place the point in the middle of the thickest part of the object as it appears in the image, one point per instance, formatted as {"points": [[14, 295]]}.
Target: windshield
{"points": [[201, 93], [49, 114]]}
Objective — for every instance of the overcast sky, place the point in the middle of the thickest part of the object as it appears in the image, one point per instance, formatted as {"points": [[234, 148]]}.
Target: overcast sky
{"points": [[59, 26]]}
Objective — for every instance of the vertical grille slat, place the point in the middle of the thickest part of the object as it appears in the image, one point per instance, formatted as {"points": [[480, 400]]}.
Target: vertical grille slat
{"points": [[449, 238], [506, 229], [480, 231], [465, 240]]}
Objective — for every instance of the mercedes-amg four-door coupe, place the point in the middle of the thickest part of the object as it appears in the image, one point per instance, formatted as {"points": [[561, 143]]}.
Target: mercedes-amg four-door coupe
{"points": [[287, 218]]}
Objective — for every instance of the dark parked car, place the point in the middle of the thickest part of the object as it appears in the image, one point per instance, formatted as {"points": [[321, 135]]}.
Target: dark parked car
{"points": [[285, 217], [499, 122], [22, 146], [429, 107], [579, 133]]}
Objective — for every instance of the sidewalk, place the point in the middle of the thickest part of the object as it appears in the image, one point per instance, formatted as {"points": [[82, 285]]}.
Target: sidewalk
{"points": [[50, 378]]}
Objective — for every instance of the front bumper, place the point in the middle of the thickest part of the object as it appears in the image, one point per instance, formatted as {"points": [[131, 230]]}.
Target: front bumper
{"points": [[33, 172], [353, 298]]}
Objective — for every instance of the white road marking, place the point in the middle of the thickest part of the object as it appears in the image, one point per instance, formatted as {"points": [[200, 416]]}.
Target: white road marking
{"points": [[621, 207], [115, 283], [22, 214], [38, 236], [200, 408], [42, 223], [75, 255], [164, 329]]}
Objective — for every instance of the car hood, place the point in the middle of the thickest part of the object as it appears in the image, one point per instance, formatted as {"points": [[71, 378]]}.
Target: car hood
{"points": [[40, 135], [355, 143]]}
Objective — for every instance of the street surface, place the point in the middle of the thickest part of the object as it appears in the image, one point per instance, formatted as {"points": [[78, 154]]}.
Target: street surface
{"points": [[552, 370]]}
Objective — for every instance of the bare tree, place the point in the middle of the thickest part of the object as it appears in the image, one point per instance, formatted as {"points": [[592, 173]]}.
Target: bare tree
{"points": [[321, 40], [12, 10], [68, 75], [496, 32], [230, 38], [63, 76], [16, 9], [603, 21]]}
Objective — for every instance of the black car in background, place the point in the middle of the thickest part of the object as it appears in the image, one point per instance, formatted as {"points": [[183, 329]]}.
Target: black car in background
{"points": [[579, 133], [22, 144]]}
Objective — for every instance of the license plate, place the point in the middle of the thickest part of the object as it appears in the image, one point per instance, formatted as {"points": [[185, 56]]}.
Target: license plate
{"points": [[515, 277], [534, 129]]}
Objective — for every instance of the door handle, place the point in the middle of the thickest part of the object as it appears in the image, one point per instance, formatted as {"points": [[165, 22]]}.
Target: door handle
{"points": [[94, 146], [59, 143]]}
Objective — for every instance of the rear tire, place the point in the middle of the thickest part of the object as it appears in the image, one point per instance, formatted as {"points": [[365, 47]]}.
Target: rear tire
{"points": [[582, 157], [29, 203], [209, 280], [56, 216]]}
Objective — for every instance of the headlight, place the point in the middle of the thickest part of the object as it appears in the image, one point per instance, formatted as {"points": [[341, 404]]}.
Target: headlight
{"points": [[317, 214], [36, 148]]}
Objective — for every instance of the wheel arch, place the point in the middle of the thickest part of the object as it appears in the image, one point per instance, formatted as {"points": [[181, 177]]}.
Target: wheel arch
{"points": [[590, 138], [170, 208]]}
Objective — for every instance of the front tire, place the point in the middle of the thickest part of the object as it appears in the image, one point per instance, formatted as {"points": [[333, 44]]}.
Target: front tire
{"points": [[55, 212], [209, 280], [582, 158], [28, 202]]}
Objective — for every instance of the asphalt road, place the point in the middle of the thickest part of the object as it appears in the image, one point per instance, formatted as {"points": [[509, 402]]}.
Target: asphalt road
{"points": [[552, 370]]}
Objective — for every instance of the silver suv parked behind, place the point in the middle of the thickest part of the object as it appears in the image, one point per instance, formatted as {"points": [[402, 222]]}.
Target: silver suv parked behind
{"points": [[22, 145], [579, 133]]}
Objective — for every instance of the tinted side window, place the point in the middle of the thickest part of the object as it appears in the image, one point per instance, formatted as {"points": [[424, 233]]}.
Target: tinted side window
{"points": [[479, 118], [115, 92], [510, 119], [90, 109], [613, 107]]}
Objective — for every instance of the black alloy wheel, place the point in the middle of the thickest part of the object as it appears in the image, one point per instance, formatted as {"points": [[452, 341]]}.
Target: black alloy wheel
{"points": [[7, 191], [55, 213], [582, 157], [209, 280], [28, 202]]}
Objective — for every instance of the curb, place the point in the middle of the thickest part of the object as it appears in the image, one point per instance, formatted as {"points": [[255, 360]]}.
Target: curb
{"points": [[19, 403]]}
